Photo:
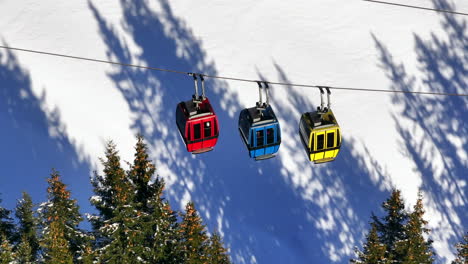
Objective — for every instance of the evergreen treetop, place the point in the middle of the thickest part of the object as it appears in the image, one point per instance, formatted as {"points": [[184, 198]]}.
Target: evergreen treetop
{"points": [[416, 249], [60, 207], [28, 246], [216, 252], [399, 236], [374, 250], [118, 225], [391, 227], [112, 189], [194, 237], [157, 220], [62, 239], [140, 174]]}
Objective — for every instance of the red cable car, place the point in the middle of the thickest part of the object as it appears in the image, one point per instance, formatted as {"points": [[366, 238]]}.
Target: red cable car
{"points": [[197, 121]]}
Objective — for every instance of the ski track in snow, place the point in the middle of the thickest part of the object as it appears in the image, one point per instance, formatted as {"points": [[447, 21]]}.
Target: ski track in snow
{"points": [[58, 113]]}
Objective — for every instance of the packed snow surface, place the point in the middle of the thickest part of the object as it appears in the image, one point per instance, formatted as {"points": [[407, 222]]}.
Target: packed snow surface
{"points": [[57, 112]]}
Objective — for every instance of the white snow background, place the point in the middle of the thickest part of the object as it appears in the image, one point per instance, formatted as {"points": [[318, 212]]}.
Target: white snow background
{"points": [[57, 112]]}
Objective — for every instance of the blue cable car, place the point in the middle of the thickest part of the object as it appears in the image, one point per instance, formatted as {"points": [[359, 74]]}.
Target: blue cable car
{"points": [[259, 129]]}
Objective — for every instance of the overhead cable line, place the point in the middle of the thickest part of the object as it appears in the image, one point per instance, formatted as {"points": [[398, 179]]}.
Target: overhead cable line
{"points": [[228, 78], [418, 7]]}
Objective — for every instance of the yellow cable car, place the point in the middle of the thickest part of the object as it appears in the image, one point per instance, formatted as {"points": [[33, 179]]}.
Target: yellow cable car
{"points": [[320, 133]]}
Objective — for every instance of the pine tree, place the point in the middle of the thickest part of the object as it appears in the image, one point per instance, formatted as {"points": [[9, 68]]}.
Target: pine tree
{"points": [[6, 223], [135, 224], [216, 252], [391, 227], [416, 249], [28, 246], [462, 251], [118, 225], [165, 241], [62, 239], [158, 221], [141, 172], [6, 250], [108, 187], [373, 250], [194, 238]]}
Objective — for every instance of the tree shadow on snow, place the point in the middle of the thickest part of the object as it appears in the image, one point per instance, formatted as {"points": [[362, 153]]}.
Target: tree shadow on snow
{"points": [[266, 212], [433, 129], [33, 141], [339, 196]]}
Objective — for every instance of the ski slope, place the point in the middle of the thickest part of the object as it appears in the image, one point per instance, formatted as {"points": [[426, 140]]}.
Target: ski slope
{"points": [[57, 112]]}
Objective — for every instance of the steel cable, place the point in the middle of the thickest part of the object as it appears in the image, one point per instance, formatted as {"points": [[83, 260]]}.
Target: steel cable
{"points": [[418, 7], [229, 78]]}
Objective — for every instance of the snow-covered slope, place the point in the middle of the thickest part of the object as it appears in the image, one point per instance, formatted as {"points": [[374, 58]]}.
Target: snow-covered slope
{"points": [[57, 112]]}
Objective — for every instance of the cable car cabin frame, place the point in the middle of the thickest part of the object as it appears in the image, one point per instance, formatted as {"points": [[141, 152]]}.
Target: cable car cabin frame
{"points": [[260, 130], [320, 134], [197, 123]]}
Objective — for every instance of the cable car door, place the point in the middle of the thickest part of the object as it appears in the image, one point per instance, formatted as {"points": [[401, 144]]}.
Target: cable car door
{"points": [[259, 141], [197, 135], [319, 145], [270, 139], [207, 132], [331, 143]]}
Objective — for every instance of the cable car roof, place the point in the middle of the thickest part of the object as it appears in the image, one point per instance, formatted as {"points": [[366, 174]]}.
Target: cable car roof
{"points": [[263, 116], [203, 109], [317, 120]]}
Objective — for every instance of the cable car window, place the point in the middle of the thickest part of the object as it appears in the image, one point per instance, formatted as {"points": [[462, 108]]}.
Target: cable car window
{"points": [[302, 127], [244, 125], [215, 128], [338, 138], [196, 131], [306, 127], [260, 137], [207, 127], [330, 139], [320, 141], [245, 129], [180, 119], [270, 135]]}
